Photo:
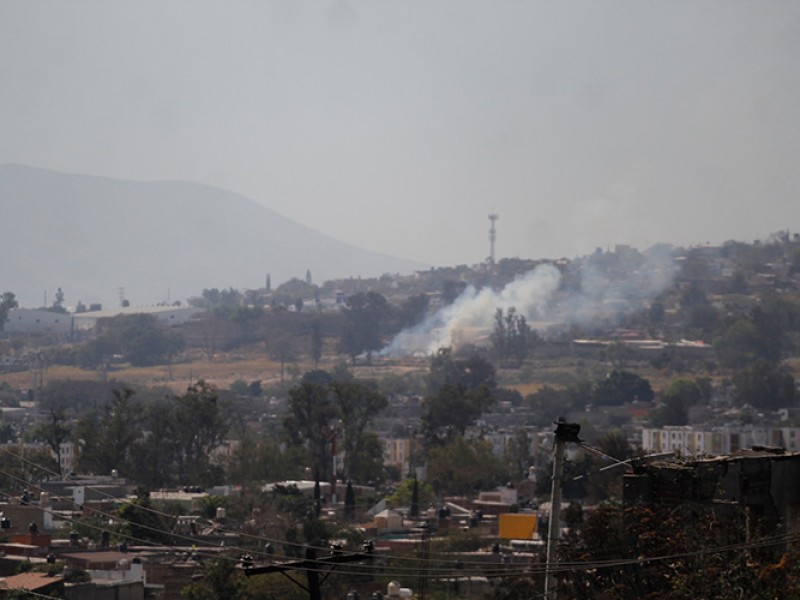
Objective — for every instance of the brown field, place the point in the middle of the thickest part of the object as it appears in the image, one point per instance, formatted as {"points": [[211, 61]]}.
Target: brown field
{"points": [[221, 372], [251, 366], [529, 388]]}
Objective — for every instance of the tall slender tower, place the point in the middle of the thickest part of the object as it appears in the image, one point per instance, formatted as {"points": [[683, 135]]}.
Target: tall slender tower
{"points": [[492, 236]]}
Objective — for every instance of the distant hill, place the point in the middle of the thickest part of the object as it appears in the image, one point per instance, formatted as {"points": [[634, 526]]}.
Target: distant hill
{"points": [[160, 240]]}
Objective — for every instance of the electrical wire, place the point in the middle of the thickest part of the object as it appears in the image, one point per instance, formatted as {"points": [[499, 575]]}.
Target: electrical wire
{"points": [[156, 511], [199, 542], [205, 554], [437, 573]]}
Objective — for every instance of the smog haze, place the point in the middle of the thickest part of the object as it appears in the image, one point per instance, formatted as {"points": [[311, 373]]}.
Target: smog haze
{"points": [[399, 126]]}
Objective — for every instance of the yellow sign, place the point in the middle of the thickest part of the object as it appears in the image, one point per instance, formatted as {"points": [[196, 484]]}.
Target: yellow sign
{"points": [[516, 526]]}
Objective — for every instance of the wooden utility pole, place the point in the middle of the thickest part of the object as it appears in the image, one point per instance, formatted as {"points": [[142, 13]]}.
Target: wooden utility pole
{"points": [[565, 432], [313, 567], [312, 575]]}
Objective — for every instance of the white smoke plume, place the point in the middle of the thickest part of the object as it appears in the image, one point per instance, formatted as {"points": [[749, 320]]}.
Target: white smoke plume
{"points": [[586, 294], [472, 313]]}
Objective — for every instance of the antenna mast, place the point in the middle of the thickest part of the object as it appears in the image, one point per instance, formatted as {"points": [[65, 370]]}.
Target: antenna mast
{"points": [[492, 236]]}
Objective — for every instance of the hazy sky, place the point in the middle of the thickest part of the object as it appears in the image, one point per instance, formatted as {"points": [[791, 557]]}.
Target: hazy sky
{"points": [[399, 125]]}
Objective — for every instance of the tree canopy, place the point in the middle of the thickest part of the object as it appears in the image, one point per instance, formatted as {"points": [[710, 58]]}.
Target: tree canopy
{"points": [[621, 387], [320, 406], [7, 301], [364, 315]]}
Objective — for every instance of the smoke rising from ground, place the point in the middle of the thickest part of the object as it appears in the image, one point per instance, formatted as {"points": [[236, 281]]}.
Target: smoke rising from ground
{"points": [[472, 313], [592, 291]]}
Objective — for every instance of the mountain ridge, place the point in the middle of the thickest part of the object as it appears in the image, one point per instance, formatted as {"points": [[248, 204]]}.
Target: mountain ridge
{"points": [[159, 240]]}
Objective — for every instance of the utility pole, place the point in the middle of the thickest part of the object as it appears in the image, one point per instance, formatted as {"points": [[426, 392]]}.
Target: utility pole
{"points": [[425, 553], [312, 575], [316, 569], [565, 432]]}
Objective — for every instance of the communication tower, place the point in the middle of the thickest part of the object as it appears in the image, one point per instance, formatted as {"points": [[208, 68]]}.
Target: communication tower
{"points": [[492, 236]]}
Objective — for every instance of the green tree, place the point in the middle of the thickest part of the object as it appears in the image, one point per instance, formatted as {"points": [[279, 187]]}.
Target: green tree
{"points": [[7, 302], [469, 374], [307, 423], [619, 354], [54, 431], [178, 436], [108, 435], [262, 459], [140, 338], [449, 412], [403, 495], [765, 386], [512, 337], [21, 467], [762, 334], [460, 390], [621, 387], [656, 313], [282, 346], [413, 509], [679, 396], [214, 297], [58, 303], [220, 580], [357, 405], [616, 445], [738, 283], [275, 586], [413, 310], [702, 320], [364, 318], [463, 466], [315, 351], [518, 455], [368, 463], [451, 290], [673, 411], [139, 520], [7, 433], [687, 390], [200, 425], [349, 502]]}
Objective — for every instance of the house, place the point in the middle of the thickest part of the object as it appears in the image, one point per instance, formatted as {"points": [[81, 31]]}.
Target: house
{"points": [[114, 575], [763, 483], [39, 584]]}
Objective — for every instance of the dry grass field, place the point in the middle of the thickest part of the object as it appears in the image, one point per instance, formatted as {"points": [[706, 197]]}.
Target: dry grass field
{"points": [[221, 372], [250, 366]]}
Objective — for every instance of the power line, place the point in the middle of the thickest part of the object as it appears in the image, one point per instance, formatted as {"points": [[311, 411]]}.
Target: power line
{"points": [[433, 572], [193, 540]]}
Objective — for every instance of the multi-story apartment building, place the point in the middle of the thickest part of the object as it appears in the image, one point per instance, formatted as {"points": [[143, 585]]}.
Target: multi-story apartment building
{"points": [[690, 441], [397, 453]]}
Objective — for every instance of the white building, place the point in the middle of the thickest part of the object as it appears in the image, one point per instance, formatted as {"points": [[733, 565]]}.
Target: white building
{"points": [[166, 315], [688, 441], [69, 457], [397, 453], [27, 321], [68, 451]]}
